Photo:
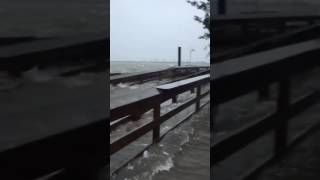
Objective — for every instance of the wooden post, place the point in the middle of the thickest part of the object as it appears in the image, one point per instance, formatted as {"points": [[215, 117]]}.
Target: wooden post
{"points": [[175, 99], [281, 132], [245, 29], [192, 91], [264, 93], [179, 56], [282, 27], [222, 6], [198, 96], [156, 129], [311, 22], [135, 117]]}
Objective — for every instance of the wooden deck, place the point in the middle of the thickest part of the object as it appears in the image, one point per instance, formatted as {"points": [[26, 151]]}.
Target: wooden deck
{"points": [[302, 161], [233, 19], [40, 120], [239, 76], [55, 50]]}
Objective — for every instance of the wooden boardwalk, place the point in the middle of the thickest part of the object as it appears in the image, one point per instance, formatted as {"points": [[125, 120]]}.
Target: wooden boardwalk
{"points": [[301, 162], [194, 160], [240, 19], [186, 148], [52, 51], [39, 120]]}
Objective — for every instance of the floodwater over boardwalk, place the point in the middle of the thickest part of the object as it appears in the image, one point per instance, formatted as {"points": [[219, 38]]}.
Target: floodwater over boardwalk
{"points": [[239, 112], [181, 154], [179, 149]]}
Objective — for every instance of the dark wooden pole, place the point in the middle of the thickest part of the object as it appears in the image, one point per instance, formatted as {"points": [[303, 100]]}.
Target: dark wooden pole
{"points": [[179, 56], [221, 6], [156, 129], [281, 133]]}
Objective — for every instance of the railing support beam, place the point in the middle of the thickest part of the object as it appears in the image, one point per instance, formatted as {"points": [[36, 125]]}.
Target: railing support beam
{"points": [[156, 119], [198, 98], [264, 93], [281, 132]]}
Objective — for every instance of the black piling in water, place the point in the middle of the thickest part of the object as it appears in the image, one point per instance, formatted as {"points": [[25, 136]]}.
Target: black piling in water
{"points": [[222, 7], [179, 56]]}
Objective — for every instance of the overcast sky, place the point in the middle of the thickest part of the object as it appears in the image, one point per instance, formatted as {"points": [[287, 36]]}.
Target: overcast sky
{"points": [[153, 29]]}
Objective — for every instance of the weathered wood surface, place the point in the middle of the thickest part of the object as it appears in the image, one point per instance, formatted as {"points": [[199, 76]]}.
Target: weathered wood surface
{"points": [[282, 39], [182, 83], [49, 126], [4, 41], [154, 102], [295, 54], [239, 76], [53, 50], [263, 18], [247, 73]]}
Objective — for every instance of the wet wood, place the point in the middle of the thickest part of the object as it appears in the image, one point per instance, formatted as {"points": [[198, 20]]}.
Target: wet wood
{"points": [[240, 76], [44, 51], [154, 102]]}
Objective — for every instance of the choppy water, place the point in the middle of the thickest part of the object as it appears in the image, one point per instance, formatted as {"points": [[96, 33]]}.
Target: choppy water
{"points": [[144, 66]]}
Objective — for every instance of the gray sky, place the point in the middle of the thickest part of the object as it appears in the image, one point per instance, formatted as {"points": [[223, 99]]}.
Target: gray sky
{"points": [[153, 29]]}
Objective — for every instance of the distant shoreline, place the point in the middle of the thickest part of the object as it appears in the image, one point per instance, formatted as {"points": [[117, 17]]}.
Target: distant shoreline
{"points": [[135, 61]]}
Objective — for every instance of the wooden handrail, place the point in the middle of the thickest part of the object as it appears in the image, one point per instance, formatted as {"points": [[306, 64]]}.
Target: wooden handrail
{"points": [[259, 18], [165, 92], [283, 39], [240, 76], [154, 97]]}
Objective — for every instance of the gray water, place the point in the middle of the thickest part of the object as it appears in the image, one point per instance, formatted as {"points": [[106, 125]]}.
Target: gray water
{"points": [[146, 66], [52, 17]]}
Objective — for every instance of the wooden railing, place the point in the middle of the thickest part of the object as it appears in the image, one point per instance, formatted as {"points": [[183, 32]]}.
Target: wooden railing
{"points": [[42, 52], [263, 18], [74, 153], [282, 39], [240, 76], [153, 102]]}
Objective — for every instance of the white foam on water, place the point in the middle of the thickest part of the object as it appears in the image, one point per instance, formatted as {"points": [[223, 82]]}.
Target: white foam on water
{"points": [[76, 81], [130, 167], [146, 154], [186, 138], [134, 87], [122, 85], [166, 166], [36, 75], [165, 153]]}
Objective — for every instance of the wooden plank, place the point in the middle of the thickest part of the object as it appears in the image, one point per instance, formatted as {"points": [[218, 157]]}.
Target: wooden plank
{"points": [[5, 41], [243, 136], [156, 119], [283, 102], [56, 152], [146, 99], [138, 104], [120, 143], [53, 50], [239, 76], [262, 18], [295, 36], [181, 108], [182, 83], [263, 58]]}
